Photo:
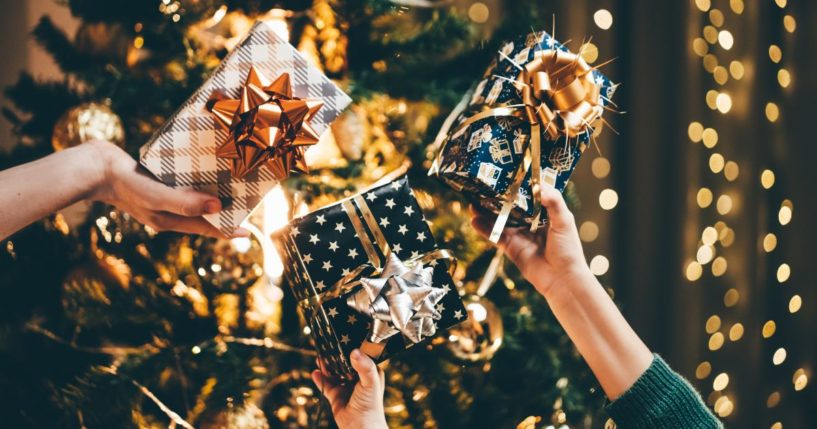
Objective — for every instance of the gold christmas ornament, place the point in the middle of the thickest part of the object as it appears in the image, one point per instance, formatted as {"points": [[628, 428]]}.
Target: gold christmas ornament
{"points": [[351, 132], [246, 416], [293, 401], [480, 336], [86, 122]]}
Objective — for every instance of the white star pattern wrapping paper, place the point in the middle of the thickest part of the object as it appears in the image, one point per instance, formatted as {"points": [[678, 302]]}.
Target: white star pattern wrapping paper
{"points": [[322, 247]]}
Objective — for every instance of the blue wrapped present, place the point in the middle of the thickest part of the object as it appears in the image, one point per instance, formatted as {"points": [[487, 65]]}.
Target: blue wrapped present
{"points": [[525, 125]]}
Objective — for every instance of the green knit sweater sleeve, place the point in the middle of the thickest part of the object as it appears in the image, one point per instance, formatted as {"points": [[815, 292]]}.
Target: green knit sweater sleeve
{"points": [[661, 399]]}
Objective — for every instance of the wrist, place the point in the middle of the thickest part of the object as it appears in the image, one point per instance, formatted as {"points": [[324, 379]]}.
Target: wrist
{"points": [[563, 290], [96, 161]]}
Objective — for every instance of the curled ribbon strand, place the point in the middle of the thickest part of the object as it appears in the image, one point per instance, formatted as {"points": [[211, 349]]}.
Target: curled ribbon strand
{"points": [[266, 125]]}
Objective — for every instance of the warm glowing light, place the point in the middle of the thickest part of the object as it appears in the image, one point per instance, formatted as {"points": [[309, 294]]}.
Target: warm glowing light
{"points": [[731, 171], [795, 303], [704, 198], [776, 425], [737, 6], [603, 18], [800, 379], [703, 5], [700, 47], [781, 3], [599, 265], [789, 23], [716, 17], [716, 162], [589, 231], [731, 297], [479, 12], [723, 102], [719, 266], [775, 54], [695, 131], [710, 34], [773, 400], [779, 356], [784, 215], [724, 204], [694, 271], [725, 39], [767, 178], [703, 370], [713, 324], [477, 310], [241, 244], [769, 329], [783, 272], [736, 332], [720, 382], [138, 42], [711, 95], [784, 78], [608, 199], [589, 52], [736, 70], [709, 235], [720, 75], [710, 137], [727, 236], [600, 167], [705, 254], [772, 112], [716, 341], [769, 242]]}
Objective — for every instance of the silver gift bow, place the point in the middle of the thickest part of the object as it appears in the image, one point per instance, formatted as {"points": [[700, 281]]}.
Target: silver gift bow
{"points": [[401, 300]]}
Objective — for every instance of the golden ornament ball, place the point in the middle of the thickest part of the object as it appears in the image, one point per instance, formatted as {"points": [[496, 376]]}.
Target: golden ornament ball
{"points": [[293, 402], [246, 416], [86, 122], [480, 336], [229, 265]]}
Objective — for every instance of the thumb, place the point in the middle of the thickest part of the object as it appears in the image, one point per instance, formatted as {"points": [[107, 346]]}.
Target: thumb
{"points": [[185, 202], [559, 215], [366, 370]]}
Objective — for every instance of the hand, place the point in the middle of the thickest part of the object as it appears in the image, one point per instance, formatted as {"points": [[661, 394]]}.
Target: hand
{"points": [[550, 256], [357, 406], [124, 184]]}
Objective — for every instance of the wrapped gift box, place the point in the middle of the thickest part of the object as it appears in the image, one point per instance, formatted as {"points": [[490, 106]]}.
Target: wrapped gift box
{"points": [[488, 142], [336, 255], [182, 153]]}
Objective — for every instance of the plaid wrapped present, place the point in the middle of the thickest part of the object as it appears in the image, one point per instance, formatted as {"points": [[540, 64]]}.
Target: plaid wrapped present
{"points": [[533, 112], [375, 248], [182, 153]]}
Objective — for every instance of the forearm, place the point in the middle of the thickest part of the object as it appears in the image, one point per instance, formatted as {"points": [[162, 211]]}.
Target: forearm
{"points": [[614, 352], [31, 191]]}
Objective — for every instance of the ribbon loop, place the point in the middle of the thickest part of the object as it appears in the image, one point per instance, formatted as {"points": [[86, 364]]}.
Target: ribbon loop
{"points": [[266, 125]]}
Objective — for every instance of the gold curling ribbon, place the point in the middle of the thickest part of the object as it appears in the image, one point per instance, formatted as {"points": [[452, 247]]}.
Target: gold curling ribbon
{"points": [[560, 99]]}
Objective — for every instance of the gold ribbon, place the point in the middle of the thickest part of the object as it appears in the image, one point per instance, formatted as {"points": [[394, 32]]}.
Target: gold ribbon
{"points": [[374, 244], [267, 125], [560, 99]]}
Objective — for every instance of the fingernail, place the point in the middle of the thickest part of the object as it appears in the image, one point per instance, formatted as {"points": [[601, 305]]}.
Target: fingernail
{"points": [[212, 206]]}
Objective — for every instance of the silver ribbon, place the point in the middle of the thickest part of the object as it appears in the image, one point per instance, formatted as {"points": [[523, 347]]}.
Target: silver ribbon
{"points": [[400, 300]]}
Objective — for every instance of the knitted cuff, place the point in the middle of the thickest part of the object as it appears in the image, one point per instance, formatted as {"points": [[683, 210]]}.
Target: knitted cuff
{"points": [[661, 398]]}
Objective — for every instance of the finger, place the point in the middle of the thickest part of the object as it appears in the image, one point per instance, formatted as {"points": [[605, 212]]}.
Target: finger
{"points": [[330, 390], [366, 369], [163, 221], [382, 375], [559, 216], [186, 202], [516, 242]]}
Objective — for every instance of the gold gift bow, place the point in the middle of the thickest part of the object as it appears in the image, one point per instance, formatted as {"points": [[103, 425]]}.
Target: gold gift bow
{"points": [[267, 125], [559, 94], [371, 247]]}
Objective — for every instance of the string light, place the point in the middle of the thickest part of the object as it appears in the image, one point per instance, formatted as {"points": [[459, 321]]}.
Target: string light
{"points": [[479, 12], [779, 356], [608, 199], [603, 19], [769, 328], [726, 39], [736, 70], [767, 178], [772, 112], [736, 332], [600, 167], [795, 303], [784, 78], [589, 231]]}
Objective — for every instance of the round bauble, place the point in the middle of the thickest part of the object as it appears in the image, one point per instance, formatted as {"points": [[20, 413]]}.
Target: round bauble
{"points": [[479, 337], [86, 122]]}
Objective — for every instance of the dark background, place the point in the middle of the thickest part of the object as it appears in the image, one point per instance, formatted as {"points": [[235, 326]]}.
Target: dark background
{"points": [[655, 229]]}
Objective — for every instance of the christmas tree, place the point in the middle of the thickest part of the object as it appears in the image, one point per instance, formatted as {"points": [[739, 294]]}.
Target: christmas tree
{"points": [[106, 323]]}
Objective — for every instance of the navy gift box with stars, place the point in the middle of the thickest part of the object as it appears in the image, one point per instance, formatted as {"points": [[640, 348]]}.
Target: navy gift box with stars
{"points": [[322, 249]]}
